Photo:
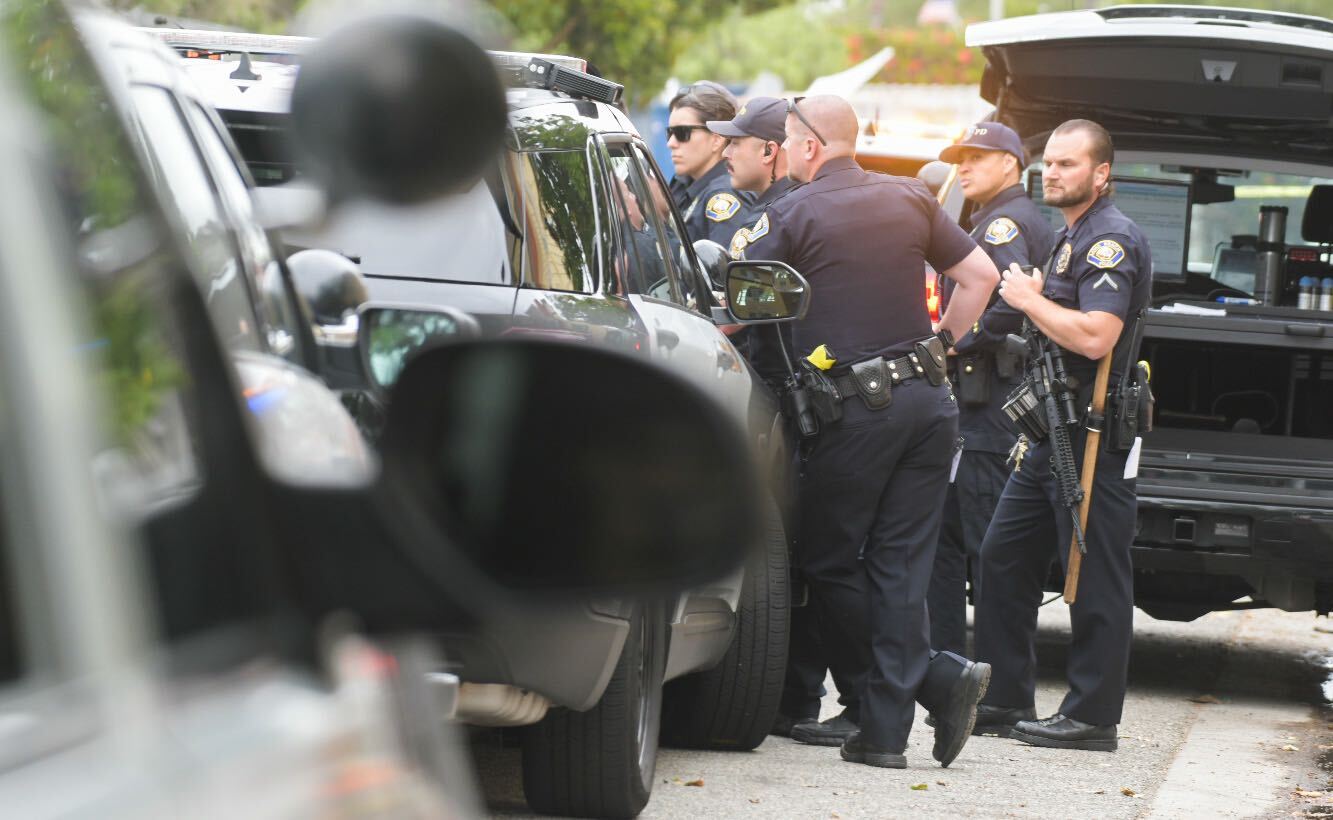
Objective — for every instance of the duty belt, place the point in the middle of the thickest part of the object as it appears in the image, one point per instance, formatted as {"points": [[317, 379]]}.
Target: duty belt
{"points": [[900, 370]]}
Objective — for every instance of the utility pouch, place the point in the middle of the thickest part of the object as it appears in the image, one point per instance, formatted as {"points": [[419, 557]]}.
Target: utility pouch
{"points": [[930, 358], [1008, 364], [872, 383], [1025, 411], [825, 397], [974, 381], [1130, 411]]}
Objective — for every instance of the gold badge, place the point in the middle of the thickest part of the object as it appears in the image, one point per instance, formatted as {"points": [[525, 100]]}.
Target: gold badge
{"points": [[1062, 263], [1002, 231], [722, 207], [1106, 253]]}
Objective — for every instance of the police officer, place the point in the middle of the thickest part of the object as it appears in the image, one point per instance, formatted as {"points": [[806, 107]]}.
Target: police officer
{"points": [[701, 187], [1010, 229], [873, 480], [1086, 300], [757, 163]]}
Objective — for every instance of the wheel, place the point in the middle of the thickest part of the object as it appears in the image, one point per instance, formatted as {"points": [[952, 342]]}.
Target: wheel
{"points": [[600, 763], [732, 706]]}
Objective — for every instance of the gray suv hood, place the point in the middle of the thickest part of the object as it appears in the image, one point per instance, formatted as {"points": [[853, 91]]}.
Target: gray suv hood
{"points": [[1187, 77]]}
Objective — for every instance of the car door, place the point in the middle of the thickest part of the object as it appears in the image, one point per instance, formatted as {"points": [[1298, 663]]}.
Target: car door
{"points": [[660, 280]]}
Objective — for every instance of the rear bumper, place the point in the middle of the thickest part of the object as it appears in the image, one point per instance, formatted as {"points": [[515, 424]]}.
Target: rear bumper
{"points": [[566, 652]]}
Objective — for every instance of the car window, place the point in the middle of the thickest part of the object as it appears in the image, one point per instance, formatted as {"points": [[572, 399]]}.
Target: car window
{"points": [[668, 225], [179, 170], [559, 216], [657, 245], [639, 263], [278, 312]]}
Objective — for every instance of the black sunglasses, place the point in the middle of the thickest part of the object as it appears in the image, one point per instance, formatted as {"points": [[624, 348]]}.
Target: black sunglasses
{"points": [[792, 109], [682, 133]]}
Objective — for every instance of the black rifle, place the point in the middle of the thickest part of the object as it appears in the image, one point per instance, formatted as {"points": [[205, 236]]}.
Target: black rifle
{"points": [[1049, 384]]}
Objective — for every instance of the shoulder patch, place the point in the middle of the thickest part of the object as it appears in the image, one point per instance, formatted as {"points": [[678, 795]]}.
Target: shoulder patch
{"points": [[1105, 253], [1001, 231], [722, 207], [760, 228], [1062, 261], [739, 242]]}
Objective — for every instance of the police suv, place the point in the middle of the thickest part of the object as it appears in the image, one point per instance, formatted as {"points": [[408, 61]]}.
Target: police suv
{"points": [[1224, 157], [572, 236]]}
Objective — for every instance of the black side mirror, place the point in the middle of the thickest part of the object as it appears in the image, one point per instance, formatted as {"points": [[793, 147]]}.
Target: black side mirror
{"points": [[400, 109], [713, 258], [760, 292], [559, 466], [332, 289], [390, 335]]}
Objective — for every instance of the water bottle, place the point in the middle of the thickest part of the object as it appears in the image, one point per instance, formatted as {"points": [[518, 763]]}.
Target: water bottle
{"points": [[1305, 298], [1326, 294]]}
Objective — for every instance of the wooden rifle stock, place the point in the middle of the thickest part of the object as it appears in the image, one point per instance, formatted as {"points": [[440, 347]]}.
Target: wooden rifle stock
{"points": [[1089, 474]]}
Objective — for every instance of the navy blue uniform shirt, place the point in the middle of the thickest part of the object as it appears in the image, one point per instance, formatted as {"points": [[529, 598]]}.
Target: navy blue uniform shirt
{"points": [[862, 239], [1009, 229], [710, 206], [750, 214], [1101, 263]]}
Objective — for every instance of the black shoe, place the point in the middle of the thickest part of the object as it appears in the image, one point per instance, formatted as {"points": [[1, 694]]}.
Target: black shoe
{"points": [[954, 727], [998, 720], [831, 732], [855, 750], [783, 725], [1060, 732]]}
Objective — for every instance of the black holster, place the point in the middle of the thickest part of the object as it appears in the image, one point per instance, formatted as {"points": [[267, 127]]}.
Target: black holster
{"points": [[973, 378], [825, 398], [1129, 411], [930, 356]]}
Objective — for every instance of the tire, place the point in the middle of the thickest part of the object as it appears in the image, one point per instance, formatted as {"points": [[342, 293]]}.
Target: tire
{"points": [[600, 763], [732, 706]]}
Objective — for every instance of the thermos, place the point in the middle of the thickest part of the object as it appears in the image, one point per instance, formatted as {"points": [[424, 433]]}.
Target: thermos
{"points": [[1272, 241]]}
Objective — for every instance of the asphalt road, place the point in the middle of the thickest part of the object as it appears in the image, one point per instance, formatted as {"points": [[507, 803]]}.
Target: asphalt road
{"points": [[1227, 716]]}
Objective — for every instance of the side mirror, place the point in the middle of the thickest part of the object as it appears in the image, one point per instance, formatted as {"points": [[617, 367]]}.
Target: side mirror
{"points": [[762, 292], [332, 288], [397, 108], [389, 335], [562, 466]]}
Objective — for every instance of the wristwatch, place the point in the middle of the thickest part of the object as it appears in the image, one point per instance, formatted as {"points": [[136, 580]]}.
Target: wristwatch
{"points": [[946, 338]]}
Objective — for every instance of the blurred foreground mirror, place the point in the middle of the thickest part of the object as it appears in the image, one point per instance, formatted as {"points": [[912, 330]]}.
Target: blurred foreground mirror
{"points": [[556, 466], [390, 335], [397, 108], [759, 292], [934, 173]]}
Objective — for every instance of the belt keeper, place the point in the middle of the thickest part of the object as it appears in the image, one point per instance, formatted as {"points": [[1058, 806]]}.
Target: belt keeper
{"points": [[1095, 422]]}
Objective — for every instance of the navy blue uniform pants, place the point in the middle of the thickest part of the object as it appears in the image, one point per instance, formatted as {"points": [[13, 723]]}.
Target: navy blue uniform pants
{"points": [[872, 486], [968, 508], [1030, 526], [807, 664]]}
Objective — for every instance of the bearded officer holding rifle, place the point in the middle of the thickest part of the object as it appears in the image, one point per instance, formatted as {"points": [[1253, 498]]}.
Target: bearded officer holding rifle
{"points": [[1083, 396]]}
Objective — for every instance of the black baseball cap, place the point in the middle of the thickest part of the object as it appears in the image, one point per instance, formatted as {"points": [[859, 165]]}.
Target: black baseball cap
{"points": [[988, 136], [762, 117]]}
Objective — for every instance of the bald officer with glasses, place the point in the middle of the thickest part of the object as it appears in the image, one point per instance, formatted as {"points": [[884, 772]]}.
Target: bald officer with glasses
{"points": [[708, 202], [873, 480]]}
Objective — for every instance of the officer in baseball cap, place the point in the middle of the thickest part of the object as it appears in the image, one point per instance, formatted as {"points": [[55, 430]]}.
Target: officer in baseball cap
{"points": [[1008, 227], [755, 159]]}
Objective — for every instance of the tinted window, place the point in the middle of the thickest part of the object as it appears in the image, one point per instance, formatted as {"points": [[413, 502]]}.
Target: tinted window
{"points": [[668, 224], [458, 238], [640, 263], [278, 313], [179, 170], [559, 218]]}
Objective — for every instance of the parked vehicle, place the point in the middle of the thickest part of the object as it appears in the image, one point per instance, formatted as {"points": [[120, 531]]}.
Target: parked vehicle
{"points": [[1224, 155], [572, 236], [196, 617]]}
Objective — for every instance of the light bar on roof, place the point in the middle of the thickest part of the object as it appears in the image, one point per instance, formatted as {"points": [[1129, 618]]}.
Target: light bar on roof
{"points": [[231, 41], [519, 60]]}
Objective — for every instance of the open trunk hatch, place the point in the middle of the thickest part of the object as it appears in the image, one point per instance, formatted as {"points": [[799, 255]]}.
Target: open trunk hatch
{"points": [[1191, 74]]}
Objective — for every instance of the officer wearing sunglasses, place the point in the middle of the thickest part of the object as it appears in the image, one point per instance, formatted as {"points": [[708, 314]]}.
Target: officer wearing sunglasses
{"points": [[702, 188], [874, 478]]}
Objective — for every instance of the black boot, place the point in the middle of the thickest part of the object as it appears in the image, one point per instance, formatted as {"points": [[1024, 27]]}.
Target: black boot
{"points": [[831, 732], [952, 687], [1060, 732], [998, 720], [856, 750], [783, 725]]}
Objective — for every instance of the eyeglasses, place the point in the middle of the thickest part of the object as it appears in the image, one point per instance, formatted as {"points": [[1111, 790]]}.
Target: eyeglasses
{"points": [[792, 109], [682, 133]]}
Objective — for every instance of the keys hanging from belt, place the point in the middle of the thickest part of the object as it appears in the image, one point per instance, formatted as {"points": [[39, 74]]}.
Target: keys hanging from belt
{"points": [[1017, 452]]}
